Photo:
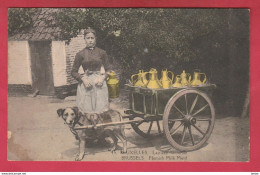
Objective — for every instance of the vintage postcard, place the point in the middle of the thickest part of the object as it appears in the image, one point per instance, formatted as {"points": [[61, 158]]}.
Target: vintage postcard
{"points": [[128, 84]]}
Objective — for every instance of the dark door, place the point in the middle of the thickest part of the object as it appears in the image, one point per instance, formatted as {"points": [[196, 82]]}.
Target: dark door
{"points": [[41, 66]]}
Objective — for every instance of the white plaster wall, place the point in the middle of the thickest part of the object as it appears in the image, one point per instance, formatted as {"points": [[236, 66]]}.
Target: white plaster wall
{"points": [[19, 64], [59, 63]]}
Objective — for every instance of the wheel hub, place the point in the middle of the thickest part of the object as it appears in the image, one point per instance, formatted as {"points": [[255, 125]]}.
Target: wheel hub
{"points": [[189, 120]]}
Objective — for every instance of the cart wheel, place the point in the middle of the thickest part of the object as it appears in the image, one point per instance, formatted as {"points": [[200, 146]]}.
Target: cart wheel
{"points": [[193, 115], [149, 127]]}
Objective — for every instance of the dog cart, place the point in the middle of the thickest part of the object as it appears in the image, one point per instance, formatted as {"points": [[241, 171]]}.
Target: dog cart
{"points": [[185, 115]]}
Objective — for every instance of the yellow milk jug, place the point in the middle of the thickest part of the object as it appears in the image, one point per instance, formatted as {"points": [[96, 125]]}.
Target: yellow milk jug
{"points": [[113, 85], [185, 81], [145, 81], [138, 79], [154, 83], [165, 80], [197, 79], [177, 82]]}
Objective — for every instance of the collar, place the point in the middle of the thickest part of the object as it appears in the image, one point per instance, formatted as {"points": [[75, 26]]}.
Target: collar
{"points": [[90, 48], [72, 127], [77, 122]]}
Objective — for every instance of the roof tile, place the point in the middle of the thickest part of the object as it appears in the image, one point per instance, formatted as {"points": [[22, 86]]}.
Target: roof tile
{"points": [[48, 36], [50, 18], [36, 23], [48, 30], [34, 17], [44, 10], [26, 37], [43, 36], [40, 16], [35, 36], [57, 29], [18, 36], [40, 29], [42, 23]]}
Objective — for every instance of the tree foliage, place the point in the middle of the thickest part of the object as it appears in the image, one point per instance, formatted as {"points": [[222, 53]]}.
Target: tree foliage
{"points": [[19, 19], [170, 38], [170, 34]]}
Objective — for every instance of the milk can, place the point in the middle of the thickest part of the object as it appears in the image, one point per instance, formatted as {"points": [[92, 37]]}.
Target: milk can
{"points": [[113, 85]]}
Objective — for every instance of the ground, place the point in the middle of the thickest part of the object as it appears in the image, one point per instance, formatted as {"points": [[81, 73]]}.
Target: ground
{"points": [[37, 133]]}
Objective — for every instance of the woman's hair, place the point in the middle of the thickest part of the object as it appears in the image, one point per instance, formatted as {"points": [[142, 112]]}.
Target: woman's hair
{"points": [[89, 30]]}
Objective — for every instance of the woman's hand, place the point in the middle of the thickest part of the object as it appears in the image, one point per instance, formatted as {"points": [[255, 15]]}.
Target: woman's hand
{"points": [[86, 82], [99, 81]]}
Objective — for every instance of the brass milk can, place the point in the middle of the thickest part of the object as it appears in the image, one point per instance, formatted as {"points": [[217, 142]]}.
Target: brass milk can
{"points": [[166, 81], [184, 80], [145, 81], [154, 83], [138, 79], [197, 79], [177, 82], [113, 85]]}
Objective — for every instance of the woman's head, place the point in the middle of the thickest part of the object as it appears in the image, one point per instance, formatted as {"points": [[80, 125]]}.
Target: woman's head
{"points": [[90, 37]]}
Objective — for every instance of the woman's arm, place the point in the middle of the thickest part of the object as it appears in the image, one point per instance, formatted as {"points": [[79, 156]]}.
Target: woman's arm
{"points": [[74, 72]]}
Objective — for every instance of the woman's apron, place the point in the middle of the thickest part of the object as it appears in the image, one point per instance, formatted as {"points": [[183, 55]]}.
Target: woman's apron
{"points": [[93, 99]]}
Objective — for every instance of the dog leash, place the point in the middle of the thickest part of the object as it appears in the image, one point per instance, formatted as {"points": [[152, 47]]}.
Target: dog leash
{"points": [[73, 130]]}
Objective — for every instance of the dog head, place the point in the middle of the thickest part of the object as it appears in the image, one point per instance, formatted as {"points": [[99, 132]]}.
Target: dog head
{"points": [[70, 115]]}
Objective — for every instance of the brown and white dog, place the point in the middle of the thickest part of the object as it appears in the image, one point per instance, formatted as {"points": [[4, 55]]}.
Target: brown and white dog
{"points": [[73, 118]]}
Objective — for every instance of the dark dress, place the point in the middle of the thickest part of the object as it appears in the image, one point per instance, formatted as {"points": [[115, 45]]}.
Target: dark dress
{"points": [[93, 99]]}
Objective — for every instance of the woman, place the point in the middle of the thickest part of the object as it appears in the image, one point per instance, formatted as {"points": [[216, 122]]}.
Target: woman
{"points": [[92, 92]]}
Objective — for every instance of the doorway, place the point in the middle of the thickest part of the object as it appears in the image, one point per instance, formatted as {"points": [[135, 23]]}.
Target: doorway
{"points": [[41, 67]]}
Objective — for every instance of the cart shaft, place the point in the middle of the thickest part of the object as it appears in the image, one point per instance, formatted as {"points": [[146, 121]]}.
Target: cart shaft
{"points": [[108, 124]]}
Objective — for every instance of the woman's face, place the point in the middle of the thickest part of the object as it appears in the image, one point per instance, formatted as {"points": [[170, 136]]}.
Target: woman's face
{"points": [[90, 39]]}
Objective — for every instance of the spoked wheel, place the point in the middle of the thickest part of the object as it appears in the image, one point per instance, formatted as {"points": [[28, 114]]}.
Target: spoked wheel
{"points": [[149, 127], [193, 115]]}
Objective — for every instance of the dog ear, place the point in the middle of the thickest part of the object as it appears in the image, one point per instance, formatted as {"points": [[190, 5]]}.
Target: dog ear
{"points": [[77, 113], [60, 111], [76, 110]]}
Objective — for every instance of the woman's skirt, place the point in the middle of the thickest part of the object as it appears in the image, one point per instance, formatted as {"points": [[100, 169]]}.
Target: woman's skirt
{"points": [[93, 99]]}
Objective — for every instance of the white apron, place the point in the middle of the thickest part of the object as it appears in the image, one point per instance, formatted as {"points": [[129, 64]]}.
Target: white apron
{"points": [[93, 99]]}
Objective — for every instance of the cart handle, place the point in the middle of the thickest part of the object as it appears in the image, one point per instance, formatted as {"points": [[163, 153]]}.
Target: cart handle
{"points": [[107, 124]]}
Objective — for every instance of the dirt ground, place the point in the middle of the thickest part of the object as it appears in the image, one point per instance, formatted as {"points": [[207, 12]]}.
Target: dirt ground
{"points": [[37, 133]]}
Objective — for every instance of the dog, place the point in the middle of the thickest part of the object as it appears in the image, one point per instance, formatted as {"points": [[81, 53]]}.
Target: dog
{"points": [[74, 118]]}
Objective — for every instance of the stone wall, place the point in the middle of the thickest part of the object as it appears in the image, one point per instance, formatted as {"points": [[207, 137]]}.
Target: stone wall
{"points": [[19, 89], [59, 63], [75, 45]]}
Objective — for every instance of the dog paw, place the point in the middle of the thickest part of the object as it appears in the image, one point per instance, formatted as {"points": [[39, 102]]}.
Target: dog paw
{"points": [[113, 149], [79, 156], [123, 151]]}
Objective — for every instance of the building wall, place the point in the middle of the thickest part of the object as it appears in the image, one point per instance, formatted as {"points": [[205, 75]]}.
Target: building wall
{"points": [[19, 64], [63, 55], [59, 63], [75, 45]]}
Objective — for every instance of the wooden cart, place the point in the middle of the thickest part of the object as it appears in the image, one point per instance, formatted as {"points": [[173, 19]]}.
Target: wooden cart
{"points": [[185, 115]]}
